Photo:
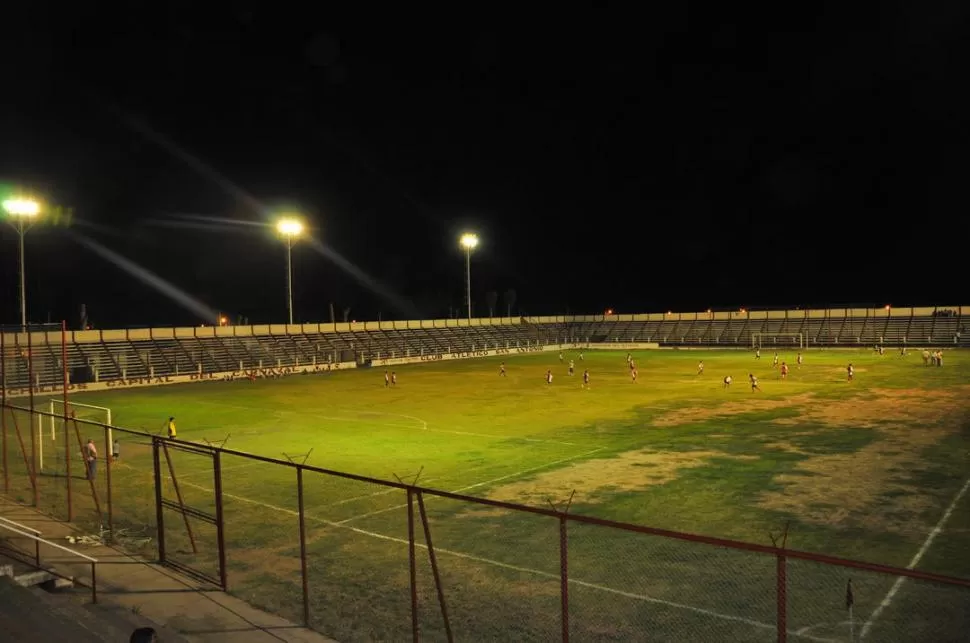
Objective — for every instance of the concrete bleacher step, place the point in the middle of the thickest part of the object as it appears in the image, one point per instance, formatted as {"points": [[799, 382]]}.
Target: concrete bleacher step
{"points": [[71, 617]]}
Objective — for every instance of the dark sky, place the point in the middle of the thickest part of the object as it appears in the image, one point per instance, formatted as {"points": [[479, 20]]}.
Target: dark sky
{"points": [[661, 159]]}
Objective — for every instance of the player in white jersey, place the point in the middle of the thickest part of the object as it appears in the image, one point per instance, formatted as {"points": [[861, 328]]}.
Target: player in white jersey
{"points": [[799, 360], [727, 381], [774, 361], [571, 367], [700, 367], [560, 356], [581, 356], [850, 371], [501, 370], [754, 382], [757, 354], [548, 377], [586, 378]]}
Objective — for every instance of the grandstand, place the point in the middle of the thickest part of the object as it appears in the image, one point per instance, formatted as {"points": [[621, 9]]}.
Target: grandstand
{"points": [[109, 355]]}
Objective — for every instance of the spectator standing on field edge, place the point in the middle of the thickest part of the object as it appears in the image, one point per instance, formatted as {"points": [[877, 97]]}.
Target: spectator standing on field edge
{"points": [[91, 459], [172, 434]]}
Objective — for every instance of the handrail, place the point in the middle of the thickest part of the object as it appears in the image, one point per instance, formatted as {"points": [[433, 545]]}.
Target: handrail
{"points": [[37, 542], [19, 526], [50, 544]]}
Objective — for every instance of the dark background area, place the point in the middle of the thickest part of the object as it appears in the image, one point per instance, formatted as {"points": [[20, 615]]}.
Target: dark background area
{"points": [[661, 159]]}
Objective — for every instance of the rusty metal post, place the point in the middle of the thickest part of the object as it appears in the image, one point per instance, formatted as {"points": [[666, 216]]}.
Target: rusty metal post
{"points": [[159, 514], [303, 561], [67, 440], [434, 567], [782, 617], [178, 495], [30, 423], [109, 456], [92, 481], [220, 520], [412, 566], [31, 473], [94, 582], [3, 408], [564, 577]]}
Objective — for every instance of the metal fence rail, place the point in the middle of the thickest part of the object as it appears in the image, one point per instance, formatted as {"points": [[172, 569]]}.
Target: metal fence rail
{"points": [[32, 534], [423, 563]]}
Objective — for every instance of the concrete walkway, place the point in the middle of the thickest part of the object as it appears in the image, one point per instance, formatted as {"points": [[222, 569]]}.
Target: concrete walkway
{"points": [[163, 596]]}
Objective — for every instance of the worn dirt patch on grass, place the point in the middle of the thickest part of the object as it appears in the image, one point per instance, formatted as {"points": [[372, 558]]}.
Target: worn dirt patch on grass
{"points": [[868, 488], [749, 405], [630, 471]]}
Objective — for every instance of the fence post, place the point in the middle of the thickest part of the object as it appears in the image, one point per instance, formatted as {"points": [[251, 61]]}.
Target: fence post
{"points": [[412, 565], [434, 568], [30, 423], [303, 563], [564, 577], [109, 456], [782, 617], [159, 516], [65, 383], [220, 521]]}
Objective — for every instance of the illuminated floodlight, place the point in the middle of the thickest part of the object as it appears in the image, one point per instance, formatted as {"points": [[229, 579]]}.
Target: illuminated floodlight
{"points": [[21, 207], [469, 241], [289, 227]]}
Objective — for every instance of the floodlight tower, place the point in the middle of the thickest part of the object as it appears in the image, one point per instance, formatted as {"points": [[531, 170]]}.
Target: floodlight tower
{"points": [[21, 214], [291, 229], [469, 242]]}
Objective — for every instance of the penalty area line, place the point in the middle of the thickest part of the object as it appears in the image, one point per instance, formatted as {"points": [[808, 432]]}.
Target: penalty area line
{"points": [[937, 530], [527, 570]]}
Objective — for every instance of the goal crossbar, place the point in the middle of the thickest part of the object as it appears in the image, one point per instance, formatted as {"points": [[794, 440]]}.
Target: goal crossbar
{"points": [[762, 340]]}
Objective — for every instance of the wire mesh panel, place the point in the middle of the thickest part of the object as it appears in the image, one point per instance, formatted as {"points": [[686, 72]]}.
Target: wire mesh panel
{"points": [[831, 602], [191, 542], [18, 454], [129, 500], [357, 560], [499, 571], [631, 586], [261, 525]]}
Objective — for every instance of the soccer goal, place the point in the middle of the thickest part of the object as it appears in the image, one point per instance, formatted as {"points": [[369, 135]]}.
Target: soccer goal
{"points": [[777, 340], [85, 412]]}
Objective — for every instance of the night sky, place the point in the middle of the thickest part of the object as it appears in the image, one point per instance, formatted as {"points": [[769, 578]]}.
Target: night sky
{"points": [[661, 159]]}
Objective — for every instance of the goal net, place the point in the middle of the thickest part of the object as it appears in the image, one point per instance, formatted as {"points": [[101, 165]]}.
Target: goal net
{"points": [[50, 431], [777, 340]]}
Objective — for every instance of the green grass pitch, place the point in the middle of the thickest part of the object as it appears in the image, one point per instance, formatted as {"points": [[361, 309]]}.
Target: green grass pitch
{"points": [[863, 469]]}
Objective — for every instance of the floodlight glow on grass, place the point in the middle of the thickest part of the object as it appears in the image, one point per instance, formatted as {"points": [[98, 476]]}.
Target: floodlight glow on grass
{"points": [[289, 227], [21, 207], [469, 241]]}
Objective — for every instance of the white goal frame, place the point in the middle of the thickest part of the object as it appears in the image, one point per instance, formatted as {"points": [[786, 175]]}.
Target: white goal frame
{"points": [[54, 404], [756, 339]]}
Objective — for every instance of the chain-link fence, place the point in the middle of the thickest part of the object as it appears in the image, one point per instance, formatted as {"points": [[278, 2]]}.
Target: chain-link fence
{"points": [[364, 559]]}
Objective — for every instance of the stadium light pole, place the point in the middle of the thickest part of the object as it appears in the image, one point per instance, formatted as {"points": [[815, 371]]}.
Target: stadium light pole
{"points": [[290, 229], [469, 242], [21, 215]]}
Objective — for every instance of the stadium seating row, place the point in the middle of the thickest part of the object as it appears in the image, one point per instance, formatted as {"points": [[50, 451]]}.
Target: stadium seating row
{"points": [[129, 358]]}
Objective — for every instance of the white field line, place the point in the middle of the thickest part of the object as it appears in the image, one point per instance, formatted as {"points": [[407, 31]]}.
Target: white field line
{"points": [[477, 484], [527, 570], [913, 563], [424, 424]]}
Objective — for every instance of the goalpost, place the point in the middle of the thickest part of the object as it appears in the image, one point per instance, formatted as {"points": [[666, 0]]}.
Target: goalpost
{"points": [[90, 412], [768, 340]]}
